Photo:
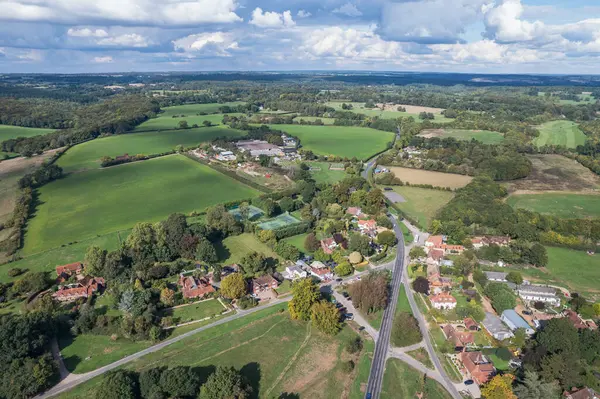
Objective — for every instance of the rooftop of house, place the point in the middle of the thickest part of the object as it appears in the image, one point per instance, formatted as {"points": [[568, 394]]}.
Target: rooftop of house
{"points": [[328, 241], [479, 359], [496, 276], [367, 224], [442, 298], [74, 267], [266, 279], [321, 271], [515, 319], [435, 241], [470, 323], [536, 289], [494, 324], [436, 254], [581, 393], [353, 210], [318, 265]]}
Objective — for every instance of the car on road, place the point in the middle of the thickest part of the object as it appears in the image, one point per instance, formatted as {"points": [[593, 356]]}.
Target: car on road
{"points": [[388, 189], [339, 280], [469, 382], [349, 316], [339, 305], [369, 396], [345, 295]]}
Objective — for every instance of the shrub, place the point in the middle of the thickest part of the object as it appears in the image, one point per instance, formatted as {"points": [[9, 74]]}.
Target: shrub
{"points": [[348, 366], [15, 271], [406, 330], [354, 345]]}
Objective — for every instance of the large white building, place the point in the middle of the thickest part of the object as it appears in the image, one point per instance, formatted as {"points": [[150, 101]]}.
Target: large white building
{"points": [[535, 293]]}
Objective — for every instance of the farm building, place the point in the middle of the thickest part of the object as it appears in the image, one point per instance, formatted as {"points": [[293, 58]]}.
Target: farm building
{"points": [[259, 147], [494, 325], [514, 321]]}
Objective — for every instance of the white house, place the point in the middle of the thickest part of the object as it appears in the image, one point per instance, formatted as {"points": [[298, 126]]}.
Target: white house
{"points": [[443, 301], [226, 156], [534, 293], [294, 272], [321, 273]]}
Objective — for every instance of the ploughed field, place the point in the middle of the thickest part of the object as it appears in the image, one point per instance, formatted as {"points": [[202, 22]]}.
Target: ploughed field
{"points": [[96, 202]]}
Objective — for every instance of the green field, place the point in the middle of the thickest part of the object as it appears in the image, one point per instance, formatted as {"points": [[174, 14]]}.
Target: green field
{"points": [[87, 155], [359, 108], [421, 203], [10, 132], [167, 122], [234, 248], [563, 133], [297, 241], [102, 201], [326, 175], [562, 205], [402, 381], [577, 269], [341, 141], [326, 121], [195, 311], [484, 136], [276, 354]]}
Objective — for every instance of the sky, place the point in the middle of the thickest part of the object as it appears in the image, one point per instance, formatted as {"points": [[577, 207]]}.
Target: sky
{"points": [[470, 36]]}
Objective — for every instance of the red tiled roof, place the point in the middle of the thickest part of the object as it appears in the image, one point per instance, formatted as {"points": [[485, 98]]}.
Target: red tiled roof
{"points": [[353, 210], [75, 267], [85, 288], [478, 365], [367, 224], [442, 298], [470, 323], [435, 241], [195, 288], [321, 272], [436, 254]]}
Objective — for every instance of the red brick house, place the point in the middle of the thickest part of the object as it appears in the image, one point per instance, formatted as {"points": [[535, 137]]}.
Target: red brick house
{"points": [[193, 287], [458, 338], [328, 245], [478, 365], [84, 288], [65, 271], [262, 284]]}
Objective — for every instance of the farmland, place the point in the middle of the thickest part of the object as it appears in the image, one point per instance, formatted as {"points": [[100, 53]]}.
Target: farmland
{"points": [[436, 179], [391, 112], [325, 174], [421, 203], [326, 121], [563, 133], [11, 132], [169, 123], [234, 248], [87, 155], [275, 353], [401, 381], [341, 141], [83, 205], [557, 204], [484, 136]]}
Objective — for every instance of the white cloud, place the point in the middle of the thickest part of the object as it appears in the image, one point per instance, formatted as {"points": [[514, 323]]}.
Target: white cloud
{"points": [[211, 43], [126, 40], [350, 43], [271, 19], [31, 55], [303, 14], [488, 51], [86, 32], [132, 12], [348, 9], [103, 60], [503, 23]]}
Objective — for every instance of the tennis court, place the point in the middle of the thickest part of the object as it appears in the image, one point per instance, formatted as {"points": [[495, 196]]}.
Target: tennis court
{"points": [[285, 219], [253, 213]]}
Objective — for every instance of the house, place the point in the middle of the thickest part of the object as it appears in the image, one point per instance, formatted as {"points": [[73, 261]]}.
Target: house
{"points": [[66, 271], [471, 324], [496, 276], [501, 241], [320, 271], [328, 245], [494, 325], [193, 287], [439, 242], [435, 256], [368, 227], [581, 393], [458, 338], [263, 284], [84, 288], [434, 242], [340, 240], [577, 321], [534, 293], [294, 272], [354, 211], [514, 321], [437, 283], [226, 156], [478, 366], [443, 301], [288, 141]]}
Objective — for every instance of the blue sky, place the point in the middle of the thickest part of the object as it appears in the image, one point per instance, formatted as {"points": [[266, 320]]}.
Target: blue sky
{"points": [[490, 36]]}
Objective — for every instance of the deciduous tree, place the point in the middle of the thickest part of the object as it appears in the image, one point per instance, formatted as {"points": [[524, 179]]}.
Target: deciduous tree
{"points": [[233, 286], [326, 317], [306, 294]]}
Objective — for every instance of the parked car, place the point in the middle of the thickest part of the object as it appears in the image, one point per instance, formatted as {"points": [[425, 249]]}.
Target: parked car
{"points": [[349, 316], [469, 382], [339, 279], [388, 189], [345, 294], [527, 312]]}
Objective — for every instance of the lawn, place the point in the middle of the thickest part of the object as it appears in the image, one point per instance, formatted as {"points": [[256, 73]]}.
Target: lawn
{"points": [[275, 353], [10, 132], [422, 356], [87, 155], [402, 381], [422, 204], [341, 141], [195, 311], [101, 201], [326, 175], [574, 206], [48, 260], [297, 241], [435, 179], [359, 108], [484, 136], [234, 248], [499, 356], [563, 133], [363, 370]]}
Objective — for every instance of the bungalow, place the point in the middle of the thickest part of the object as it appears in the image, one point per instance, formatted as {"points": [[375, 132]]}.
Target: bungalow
{"points": [[262, 284], [193, 287], [514, 321], [460, 339], [535, 293], [581, 393], [294, 272], [478, 366], [65, 271], [471, 324], [84, 288], [328, 245], [368, 227], [443, 301], [494, 325]]}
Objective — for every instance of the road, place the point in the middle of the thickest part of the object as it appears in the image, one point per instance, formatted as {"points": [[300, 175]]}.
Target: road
{"points": [[382, 345]]}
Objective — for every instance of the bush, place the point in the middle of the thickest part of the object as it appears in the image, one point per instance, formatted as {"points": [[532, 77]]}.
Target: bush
{"points": [[406, 330], [348, 366], [15, 271], [354, 345]]}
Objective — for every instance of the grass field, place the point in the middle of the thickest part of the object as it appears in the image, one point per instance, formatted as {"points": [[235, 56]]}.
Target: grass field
{"points": [[167, 122], [341, 141], [484, 136], [48, 260], [101, 201], [563, 133], [359, 108], [436, 179], [576, 269], [87, 155], [297, 241], [561, 205], [234, 248], [11, 132], [421, 203], [326, 121], [195, 311], [276, 354], [402, 381], [326, 175]]}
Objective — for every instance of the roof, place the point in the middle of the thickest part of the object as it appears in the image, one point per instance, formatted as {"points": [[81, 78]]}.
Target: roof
{"points": [[537, 289], [70, 268], [496, 275], [318, 265], [436, 241], [353, 210], [266, 279], [367, 224], [575, 319], [320, 271], [442, 298], [469, 322], [581, 393], [515, 319], [328, 242], [294, 269], [494, 324], [193, 287], [436, 254]]}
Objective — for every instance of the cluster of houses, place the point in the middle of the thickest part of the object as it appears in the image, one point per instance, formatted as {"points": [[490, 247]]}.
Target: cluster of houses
{"points": [[83, 287], [528, 292], [364, 224], [437, 247], [302, 270]]}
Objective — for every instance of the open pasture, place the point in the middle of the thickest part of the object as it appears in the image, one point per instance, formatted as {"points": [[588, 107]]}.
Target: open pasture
{"points": [[322, 172], [83, 205], [162, 122], [275, 353], [87, 155], [326, 121], [422, 204], [484, 136], [10, 132], [391, 112], [341, 141], [562, 205], [563, 133], [436, 179]]}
